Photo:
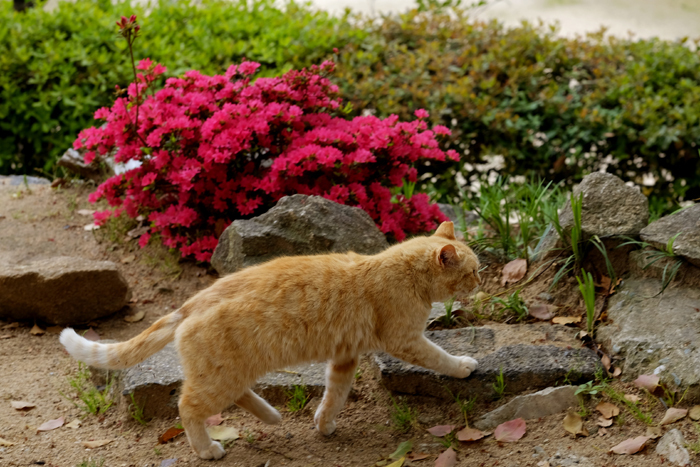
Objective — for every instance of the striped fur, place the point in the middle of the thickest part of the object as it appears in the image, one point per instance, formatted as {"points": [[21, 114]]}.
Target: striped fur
{"points": [[301, 309]]}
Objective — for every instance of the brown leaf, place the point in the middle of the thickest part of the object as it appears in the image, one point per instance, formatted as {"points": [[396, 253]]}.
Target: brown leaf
{"points": [[22, 405], [541, 311], [91, 335], [673, 415], [441, 430], [566, 319], [4, 442], [470, 434], [169, 434], [417, 456], [128, 259], [633, 398], [617, 372], [74, 425], [138, 316], [446, 459], [608, 410], [602, 432], [648, 382], [51, 424], [654, 432], [36, 331], [574, 424], [96, 444], [604, 422], [630, 446], [694, 413], [605, 283], [605, 360], [514, 271], [214, 420], [510, 431]]}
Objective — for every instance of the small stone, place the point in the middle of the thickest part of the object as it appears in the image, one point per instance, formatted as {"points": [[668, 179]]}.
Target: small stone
{"points": [[686, 223], [671, 446], [547, 297]]}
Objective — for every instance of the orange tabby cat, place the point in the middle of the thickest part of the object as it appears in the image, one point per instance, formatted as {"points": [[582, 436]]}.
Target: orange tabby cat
{"points": [[300, 309]]}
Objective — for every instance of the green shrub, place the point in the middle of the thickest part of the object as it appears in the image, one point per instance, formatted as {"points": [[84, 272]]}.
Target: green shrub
{"points": [[553, 107], [57, 68]]}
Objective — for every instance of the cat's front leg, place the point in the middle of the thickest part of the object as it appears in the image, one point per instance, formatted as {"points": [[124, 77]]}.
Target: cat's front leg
{"points": [[421, 351], [339, 378]]}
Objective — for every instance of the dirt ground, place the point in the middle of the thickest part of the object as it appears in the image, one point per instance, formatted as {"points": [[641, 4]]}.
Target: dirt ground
{"points": [[34, 368]]}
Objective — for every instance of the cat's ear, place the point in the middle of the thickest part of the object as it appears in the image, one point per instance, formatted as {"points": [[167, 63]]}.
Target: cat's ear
{"points": [[447, 256], [446, 230]]}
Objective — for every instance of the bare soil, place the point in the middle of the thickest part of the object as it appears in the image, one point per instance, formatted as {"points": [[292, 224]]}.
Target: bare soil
{"points": [[35, 368]]}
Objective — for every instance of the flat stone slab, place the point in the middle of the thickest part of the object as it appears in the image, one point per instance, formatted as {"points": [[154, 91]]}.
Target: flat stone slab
{"points": [[524, 366], [61, 290], [686, 223], [155, 383], [656, 333]]}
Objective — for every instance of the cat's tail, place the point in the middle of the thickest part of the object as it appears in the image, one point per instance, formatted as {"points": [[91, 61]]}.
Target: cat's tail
{"points": [[123, 354]]}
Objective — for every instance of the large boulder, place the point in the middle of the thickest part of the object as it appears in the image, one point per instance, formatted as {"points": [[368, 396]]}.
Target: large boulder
{"points": [[654, 333], [61, 290], [297, 225], [686, 223], [609, 208]]}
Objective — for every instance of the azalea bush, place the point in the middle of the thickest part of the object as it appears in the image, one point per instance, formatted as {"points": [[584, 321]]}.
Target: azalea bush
{"points": [[217, 148]]}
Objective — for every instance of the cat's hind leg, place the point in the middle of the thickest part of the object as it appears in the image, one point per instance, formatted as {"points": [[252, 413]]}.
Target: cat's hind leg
{"points": [[195, 407], [339, 377], [259, 407]]}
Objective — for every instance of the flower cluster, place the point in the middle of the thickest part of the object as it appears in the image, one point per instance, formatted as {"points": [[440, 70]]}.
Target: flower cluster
{"points": [[219, 148]]}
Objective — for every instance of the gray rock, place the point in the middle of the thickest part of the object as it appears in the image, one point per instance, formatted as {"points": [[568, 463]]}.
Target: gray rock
{"points": [[18, 180], [547, 297], [656, 333], [609, 207], [438, 310], [155, 383], [540, 404], [687, 223], [524, 366], [672, 447], [98, 170], [559, 460], [458, 215], [61, 290], [297, 225]]}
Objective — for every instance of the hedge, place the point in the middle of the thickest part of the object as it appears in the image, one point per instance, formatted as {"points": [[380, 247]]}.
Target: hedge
{"points": [[57, 68], [553, 107]]}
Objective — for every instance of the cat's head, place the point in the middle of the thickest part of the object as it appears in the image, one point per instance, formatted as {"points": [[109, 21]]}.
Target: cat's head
{"points": [[455, 264]]}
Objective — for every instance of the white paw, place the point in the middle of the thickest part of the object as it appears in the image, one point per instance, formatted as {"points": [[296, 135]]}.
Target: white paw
{"points": [[465, 366], [326, 428], [213, 452]]}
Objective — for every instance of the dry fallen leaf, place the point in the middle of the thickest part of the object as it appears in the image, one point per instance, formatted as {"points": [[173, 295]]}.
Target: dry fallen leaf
{"points": [[673, 415], [541, 311], [91, 335], [648, 382], [654, 432], [694, 413], [128, 259], [96, 444], [214, 420], [22, 405], [74, 424], [602, 432], [630, 446], [633, 398], [514, 271], [86, 212], [4, 442], [604, 422], [510, 431], [51, 424], [605, 360], [446, 459], [574, 424], [470, 434], [441, 430], [36, 331], [138, 316], [608, 410], [566, 319], [169, 434], [617, 372], [223, 433]]}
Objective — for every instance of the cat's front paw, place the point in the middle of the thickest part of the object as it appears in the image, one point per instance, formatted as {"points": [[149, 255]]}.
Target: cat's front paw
{"points": [[465, 366], [326, 428], [213, 452]]}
